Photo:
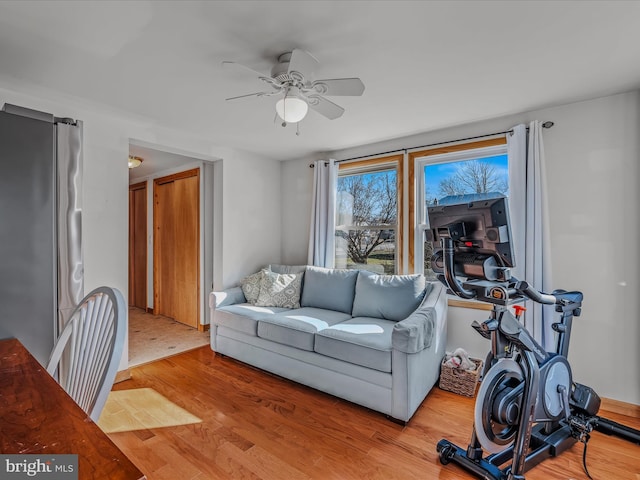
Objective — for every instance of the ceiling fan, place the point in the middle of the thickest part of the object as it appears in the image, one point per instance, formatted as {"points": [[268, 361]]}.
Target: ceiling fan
{"points": [[292, 77]]}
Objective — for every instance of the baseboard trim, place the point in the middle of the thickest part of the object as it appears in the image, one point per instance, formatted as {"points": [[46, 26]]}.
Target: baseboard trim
{"points": [[122, 375], [621, 408]]}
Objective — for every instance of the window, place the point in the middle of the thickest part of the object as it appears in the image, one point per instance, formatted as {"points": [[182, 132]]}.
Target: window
{"points": [[367, 215], [453, 174]]}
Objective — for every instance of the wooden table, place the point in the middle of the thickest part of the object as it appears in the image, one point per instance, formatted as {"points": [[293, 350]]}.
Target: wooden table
{"points": [[38, 417]]}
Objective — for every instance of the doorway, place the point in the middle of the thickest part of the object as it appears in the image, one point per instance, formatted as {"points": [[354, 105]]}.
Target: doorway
{"points": [[153, 332], [176, 247]]}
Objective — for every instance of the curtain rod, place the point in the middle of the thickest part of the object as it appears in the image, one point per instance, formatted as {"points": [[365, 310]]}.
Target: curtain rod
{"points": [[547, 124]]}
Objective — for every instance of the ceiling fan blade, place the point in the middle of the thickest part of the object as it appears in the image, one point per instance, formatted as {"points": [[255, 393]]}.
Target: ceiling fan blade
{"points": [[325, 107], [257, 94], [302, 64], [249, 69], [338, 87], [265, 78]]}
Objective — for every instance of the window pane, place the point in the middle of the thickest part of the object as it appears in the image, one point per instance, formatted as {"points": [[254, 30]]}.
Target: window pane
{"points": [[482, 175], [380, 246], [428, 252], [366, 220], [456, 182]]}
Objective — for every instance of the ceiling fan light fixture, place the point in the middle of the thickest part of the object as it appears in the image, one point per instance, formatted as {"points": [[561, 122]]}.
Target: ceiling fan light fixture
{"points": [[134, 161], [292, 108]]}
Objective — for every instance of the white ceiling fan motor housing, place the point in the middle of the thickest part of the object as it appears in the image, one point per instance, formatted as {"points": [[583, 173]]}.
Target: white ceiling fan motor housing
{"points": [[280, 71]]}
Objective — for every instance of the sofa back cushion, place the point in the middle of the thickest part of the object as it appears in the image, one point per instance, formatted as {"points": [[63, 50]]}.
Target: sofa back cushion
{"points": [[332, 289], [391, 297], [278, 268]]}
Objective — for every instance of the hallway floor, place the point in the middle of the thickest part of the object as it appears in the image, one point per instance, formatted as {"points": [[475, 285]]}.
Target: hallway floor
{"points": [[152, 337]]}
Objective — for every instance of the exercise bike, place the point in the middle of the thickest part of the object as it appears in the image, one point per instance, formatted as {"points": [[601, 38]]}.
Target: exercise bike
{"points": [[528, 407]]}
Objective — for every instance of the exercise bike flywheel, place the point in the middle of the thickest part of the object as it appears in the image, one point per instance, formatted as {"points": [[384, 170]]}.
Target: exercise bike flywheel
{"points": [[497, 407]]}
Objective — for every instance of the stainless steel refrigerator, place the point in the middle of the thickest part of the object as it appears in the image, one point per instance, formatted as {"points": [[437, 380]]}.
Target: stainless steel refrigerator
{"points": [[41, 268]]}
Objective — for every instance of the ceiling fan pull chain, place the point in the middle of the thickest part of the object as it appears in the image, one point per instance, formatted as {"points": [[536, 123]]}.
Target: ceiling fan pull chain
{"points": [[284, 108]]}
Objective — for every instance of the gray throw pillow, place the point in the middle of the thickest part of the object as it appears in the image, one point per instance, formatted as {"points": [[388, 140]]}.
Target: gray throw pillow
{"points": [[280, 290], [391, 297], [251, 286], [329, 288]]}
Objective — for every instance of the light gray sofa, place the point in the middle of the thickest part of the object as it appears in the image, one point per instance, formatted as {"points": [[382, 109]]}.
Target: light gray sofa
{"points": [[375, 340]]}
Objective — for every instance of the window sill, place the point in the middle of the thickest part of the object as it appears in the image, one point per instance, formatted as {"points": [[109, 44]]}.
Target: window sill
{"points": [[473, 304]]}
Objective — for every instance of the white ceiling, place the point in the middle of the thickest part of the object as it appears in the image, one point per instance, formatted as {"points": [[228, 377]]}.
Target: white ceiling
{"points": [[425, 64]]}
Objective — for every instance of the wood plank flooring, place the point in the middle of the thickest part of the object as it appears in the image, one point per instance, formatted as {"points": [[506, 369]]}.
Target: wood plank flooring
{"points": [[259, 426]]}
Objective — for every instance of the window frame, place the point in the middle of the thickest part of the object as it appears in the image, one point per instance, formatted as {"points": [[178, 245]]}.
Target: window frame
{"points": [[377, 164], [441, 154]]}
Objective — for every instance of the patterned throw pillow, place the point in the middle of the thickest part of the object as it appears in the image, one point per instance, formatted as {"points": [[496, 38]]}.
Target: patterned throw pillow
{"points": [[251, 286], [280, 290]]}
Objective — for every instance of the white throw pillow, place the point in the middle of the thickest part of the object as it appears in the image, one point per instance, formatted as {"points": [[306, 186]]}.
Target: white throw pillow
{"points": [[280, 290], [251, 286]]}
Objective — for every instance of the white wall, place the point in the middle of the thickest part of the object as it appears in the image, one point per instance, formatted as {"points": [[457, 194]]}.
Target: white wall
{"points": [[297, 181], [250, 201], [251, 219], [593, 164], [593, 169]]}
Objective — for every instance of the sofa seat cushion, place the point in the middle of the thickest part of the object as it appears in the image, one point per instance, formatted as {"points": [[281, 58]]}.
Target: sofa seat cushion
{"points": [[297, 328], [364, 341], [244, 317]]}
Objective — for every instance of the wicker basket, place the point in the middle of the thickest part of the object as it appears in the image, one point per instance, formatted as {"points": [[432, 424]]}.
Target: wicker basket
{"points": [[462, 382]]}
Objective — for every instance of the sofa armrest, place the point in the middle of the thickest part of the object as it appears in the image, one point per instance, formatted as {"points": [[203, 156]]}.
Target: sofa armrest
{"points": [[416, 332], [229, 296]]}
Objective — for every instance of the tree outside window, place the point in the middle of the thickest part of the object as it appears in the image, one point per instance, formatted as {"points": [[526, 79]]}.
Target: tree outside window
{"points": [[366, 221]]}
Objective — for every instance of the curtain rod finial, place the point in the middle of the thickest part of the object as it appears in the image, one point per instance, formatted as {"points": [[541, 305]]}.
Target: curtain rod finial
{"points": [[547, 124]]}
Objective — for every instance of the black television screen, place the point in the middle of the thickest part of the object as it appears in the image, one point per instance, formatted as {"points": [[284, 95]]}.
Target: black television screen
{"points": [[479, 228]]}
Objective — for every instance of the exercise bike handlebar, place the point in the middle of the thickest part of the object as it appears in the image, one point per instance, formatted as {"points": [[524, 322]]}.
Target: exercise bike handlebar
{"points": [[528, 291]]}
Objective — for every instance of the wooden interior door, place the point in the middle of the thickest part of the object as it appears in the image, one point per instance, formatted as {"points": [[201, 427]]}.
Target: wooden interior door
{"points": [[176, 251], [138, 245]]}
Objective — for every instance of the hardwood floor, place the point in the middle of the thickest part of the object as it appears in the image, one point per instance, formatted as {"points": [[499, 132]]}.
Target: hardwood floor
{"points": [[259, 426]]}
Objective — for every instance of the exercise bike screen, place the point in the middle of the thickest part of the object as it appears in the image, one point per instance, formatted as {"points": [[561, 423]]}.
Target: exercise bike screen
{"points": [[477, 225]]}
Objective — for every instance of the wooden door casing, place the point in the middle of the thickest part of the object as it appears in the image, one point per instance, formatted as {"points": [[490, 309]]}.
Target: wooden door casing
{"points": [[138, 245], [177, 247]]}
